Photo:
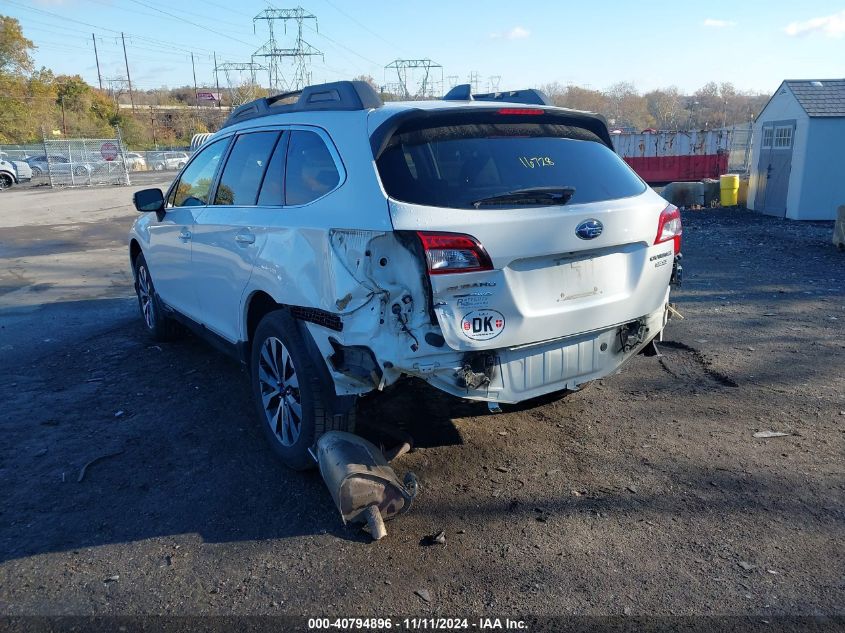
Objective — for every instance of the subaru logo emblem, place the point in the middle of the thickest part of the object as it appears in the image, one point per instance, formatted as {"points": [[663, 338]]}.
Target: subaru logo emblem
{"points": [[589, 229]]}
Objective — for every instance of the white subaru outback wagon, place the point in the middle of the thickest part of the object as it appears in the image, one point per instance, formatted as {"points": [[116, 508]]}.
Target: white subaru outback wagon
{"points": [[491, 245]]}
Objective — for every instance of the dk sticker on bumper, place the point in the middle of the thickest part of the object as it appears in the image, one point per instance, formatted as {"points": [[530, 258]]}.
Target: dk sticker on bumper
{"points": [[482, 325]]}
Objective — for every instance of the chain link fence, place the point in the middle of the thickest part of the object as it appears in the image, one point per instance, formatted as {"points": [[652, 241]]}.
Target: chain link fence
{"points": [[82, 162], [74, 162]]}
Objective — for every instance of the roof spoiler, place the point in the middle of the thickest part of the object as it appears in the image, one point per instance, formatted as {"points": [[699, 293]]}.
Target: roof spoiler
{"points": [[531, 96], [336, 96]]}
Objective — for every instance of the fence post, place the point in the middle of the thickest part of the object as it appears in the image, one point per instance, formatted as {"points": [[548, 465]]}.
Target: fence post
{"points": [[47, 155], [122, 153]]}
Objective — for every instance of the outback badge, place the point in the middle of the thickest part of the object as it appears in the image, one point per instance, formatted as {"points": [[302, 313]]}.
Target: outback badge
{"points": [[589, 229]]}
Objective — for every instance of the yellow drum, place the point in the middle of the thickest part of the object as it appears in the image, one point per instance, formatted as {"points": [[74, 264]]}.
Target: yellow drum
{"points": [[729, 188]]}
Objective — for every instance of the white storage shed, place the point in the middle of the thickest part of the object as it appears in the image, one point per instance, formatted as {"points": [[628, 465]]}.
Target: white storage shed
{"points": [[798, 151]]}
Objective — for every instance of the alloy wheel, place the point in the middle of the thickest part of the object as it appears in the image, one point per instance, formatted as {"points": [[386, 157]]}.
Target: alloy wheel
{"points": [[280, 395], [145, 295]]}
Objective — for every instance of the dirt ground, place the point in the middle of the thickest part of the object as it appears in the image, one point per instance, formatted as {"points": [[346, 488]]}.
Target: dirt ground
{"points": [[645, 493]]}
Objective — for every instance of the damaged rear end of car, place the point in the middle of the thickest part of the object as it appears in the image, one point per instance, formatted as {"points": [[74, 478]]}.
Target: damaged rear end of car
{"points": [[524, 256]]}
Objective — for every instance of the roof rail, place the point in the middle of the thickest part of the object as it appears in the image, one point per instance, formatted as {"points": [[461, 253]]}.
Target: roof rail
{"points": [[463, 92], [337, 96]]}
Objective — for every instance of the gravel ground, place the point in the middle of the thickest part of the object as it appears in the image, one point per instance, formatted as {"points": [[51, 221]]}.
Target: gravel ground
{"points": [[645, 493]]}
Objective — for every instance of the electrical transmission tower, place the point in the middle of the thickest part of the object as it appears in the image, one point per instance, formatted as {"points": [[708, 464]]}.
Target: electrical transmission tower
{"points": [[474, 80], [277, 55], [452, 80], [493, 83], [242, 88], [420, 70]]}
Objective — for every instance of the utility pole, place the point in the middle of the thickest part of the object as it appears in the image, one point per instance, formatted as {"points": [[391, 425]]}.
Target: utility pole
{"points": [[153, 126], [128, 78], [196, 97], [64, 127], [97, 58], [217, 82]]}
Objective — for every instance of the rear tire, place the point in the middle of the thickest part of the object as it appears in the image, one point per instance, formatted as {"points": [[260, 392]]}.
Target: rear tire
{"points": [[6, 181], [294, 397], [160, 327]]}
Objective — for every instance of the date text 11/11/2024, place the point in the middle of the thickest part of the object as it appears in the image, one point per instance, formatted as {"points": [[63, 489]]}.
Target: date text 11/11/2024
{"points": [[417, 624]]}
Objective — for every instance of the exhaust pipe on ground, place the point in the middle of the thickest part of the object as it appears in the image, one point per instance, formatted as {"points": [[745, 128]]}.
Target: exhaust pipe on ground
{"points": [[364, 487]]}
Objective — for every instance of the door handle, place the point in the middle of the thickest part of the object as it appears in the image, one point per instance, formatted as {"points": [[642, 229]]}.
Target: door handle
{"points": [[245, 238], [184, 235]]}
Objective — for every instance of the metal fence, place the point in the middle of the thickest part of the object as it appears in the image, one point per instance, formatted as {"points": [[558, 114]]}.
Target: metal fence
{"points": [[74, 162], [82, 162]]}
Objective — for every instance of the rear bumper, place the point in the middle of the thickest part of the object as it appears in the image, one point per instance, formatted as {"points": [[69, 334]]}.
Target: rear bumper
{"points": [[516, 374]]}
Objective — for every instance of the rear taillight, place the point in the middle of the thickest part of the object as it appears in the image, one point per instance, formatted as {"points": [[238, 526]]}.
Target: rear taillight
{"points": [[453, 253], [669, 227]]}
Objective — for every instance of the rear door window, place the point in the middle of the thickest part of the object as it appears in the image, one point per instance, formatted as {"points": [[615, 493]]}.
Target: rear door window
{"points": [[245, 168], [458, 165], [311, 172]]}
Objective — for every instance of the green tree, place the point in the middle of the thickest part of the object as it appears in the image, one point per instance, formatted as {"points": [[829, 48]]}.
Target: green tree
{"points": [[14, 48], [74, 92]]}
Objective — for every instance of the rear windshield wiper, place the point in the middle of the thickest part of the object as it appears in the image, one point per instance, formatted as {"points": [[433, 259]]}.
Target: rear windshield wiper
{"points": [[534, 195]]}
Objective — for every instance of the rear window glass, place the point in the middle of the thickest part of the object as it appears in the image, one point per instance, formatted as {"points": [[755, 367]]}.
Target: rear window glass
{"points": [[455, 166], [311, 172]]}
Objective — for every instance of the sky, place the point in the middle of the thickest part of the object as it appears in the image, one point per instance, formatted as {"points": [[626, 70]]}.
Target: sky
{"points": [[753, 44]]}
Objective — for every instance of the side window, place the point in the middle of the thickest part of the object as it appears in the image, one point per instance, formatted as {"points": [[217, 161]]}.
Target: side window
{"points": [[783, 137], [311, 171], [245, 168], [768, 133], [272, 189], [195, 184]]}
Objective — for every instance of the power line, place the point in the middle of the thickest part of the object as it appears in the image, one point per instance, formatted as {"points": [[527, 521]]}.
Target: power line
{"points": [[199, 26], [63, 19], [363, 26], [336, 43]]}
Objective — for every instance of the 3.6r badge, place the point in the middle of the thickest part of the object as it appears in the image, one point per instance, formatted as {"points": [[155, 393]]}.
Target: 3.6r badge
{"points": [[482, 325]]}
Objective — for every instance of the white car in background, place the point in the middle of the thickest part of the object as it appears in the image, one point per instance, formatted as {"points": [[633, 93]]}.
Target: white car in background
{"points": [[492, 245], [135, 162], [8, 174], [166, 160], [22, 171]]}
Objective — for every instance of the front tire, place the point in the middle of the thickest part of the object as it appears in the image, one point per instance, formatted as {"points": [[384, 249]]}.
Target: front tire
{"points": [[6, 181], [294, 397], [160, 327]]}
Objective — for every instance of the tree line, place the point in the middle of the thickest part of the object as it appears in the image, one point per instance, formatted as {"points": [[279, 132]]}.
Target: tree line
{"points": [[37, 101], [711, 106]]}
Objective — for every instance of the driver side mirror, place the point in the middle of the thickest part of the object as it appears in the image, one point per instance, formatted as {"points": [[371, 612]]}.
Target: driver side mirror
{"points": [[148, 200]]}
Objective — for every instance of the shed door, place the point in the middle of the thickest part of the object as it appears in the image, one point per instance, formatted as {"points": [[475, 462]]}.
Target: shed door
{"points": [[774, 167]]}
